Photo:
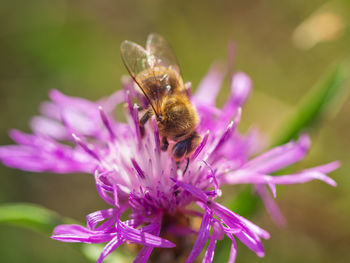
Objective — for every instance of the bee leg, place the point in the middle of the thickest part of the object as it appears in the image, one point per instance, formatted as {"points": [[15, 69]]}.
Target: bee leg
{"points": [[143, 121], [164, 144], [140, 108]]}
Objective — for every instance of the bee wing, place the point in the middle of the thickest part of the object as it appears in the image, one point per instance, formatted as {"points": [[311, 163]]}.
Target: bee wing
{"points": [[136, 59], [162, 52]]}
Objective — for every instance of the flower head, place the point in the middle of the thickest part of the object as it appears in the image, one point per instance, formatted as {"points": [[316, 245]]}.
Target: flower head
{"points": [[152, 200]]}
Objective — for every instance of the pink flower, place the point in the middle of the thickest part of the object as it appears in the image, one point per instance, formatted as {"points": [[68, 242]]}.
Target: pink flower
{"points": [[144, 184]]}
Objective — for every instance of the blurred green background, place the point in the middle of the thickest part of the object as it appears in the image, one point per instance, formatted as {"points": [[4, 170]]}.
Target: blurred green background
{"points": [[285, 46]]}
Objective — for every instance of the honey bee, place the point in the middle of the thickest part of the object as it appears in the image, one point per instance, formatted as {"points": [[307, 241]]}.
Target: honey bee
{"points": [[156, 72]]}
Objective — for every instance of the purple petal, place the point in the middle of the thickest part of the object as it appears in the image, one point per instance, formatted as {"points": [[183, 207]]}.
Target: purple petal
{"points": [[116, 196], [104, 194], [145, 252], [209, 254], [273, 189], [48, 127], [203, 236], [249, 234], [44, 147], [208, 117], [193, 190], [271, 206], [81, 122], [79, 115], [38, 154], [33, 140], [60, 99], [301, 178], [137, 236], [326, 168], [50, 109], [240, 90], [130, 87], [252, 243], [83, 106], [86, 147], [109, 103], [233, 251], [280, 157], [110, 247], [104, 188], [95, 218], [247, 177], [218, 234], [209, 87], [76, 233], [254, 228]]}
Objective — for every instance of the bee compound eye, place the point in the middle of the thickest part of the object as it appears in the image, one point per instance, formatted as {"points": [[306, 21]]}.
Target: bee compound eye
{"points": [[179, 149]]}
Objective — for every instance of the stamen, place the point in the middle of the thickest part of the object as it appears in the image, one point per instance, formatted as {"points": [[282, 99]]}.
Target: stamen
{"points": [[115, 194], [201, 146], [156, 135], [213, 176], [135, 117], [273, 189], [229, 130], [129, 102], [106, 123], [68, 127], [85, 147], [138, 169]]}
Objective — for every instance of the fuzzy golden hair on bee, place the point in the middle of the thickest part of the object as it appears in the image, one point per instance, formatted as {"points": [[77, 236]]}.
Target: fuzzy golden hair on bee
{"points": [[179, 117]]}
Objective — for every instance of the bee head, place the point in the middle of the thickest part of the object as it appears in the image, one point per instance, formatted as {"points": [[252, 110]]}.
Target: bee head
{"points": [[185, 148]]}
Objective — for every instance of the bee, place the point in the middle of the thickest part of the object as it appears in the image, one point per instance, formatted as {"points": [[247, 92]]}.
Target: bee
{"points": [[156, 72]]}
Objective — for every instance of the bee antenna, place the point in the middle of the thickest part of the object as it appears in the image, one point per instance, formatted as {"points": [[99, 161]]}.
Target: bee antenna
{"points": [[150, 103], [188, 162]]}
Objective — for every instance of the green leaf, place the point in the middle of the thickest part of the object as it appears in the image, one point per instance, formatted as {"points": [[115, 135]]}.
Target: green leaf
{"points": [[320, 100], [31, 216]]}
